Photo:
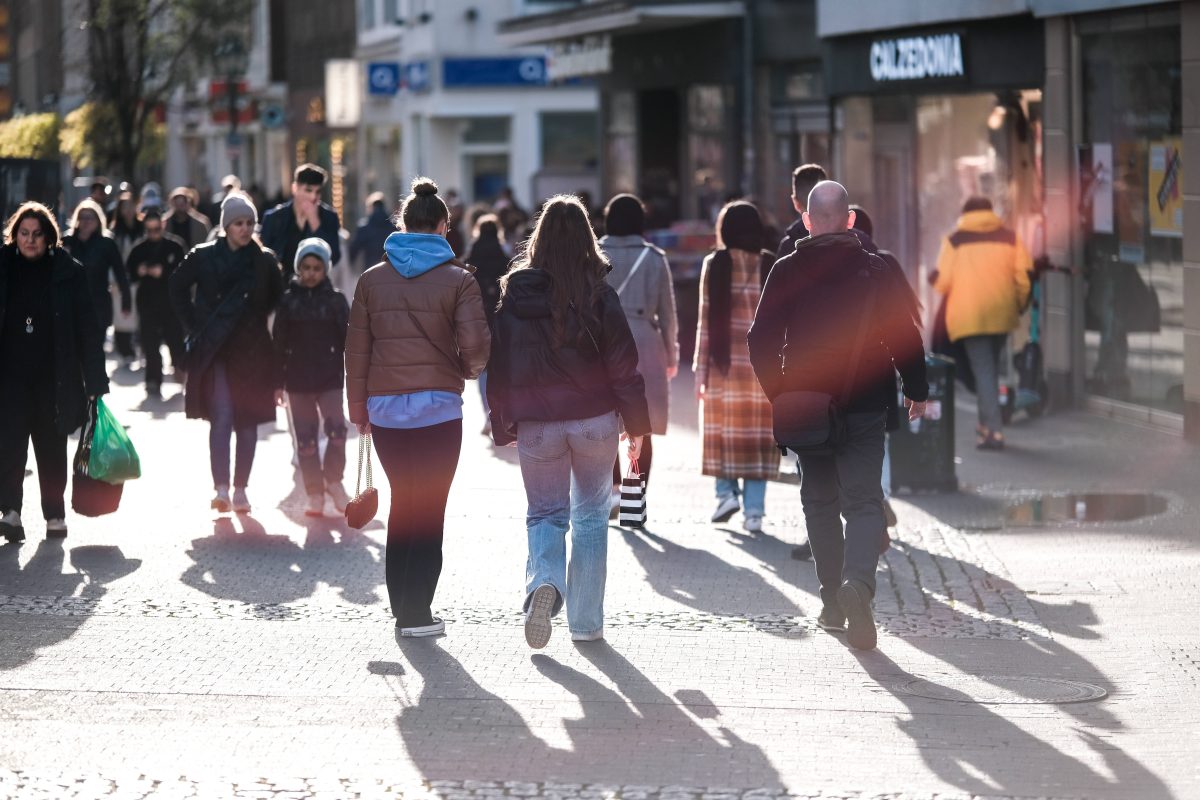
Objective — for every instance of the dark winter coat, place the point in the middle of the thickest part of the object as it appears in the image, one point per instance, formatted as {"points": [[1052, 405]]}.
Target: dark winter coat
{"points": [[101, 257], [808, 320], [193, 228], [280, 233], [795, 232], [78, 342], [366, 248], [531, 380], [310, 337], [227, 320], [490, 261], [153, 295]]}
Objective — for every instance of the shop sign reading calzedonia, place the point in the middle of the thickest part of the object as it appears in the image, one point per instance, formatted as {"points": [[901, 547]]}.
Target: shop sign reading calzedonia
{"points": [[917, 58]]}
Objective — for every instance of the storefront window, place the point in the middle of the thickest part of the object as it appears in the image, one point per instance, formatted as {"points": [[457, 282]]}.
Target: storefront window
{"points": [[620, 144], [1131, 210], [569, 141], [706, 151]]}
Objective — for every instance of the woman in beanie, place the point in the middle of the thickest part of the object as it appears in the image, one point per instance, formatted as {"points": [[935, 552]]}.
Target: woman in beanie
{"points": [[417, 333], [233, 377], [642, 278], [738, 441]]}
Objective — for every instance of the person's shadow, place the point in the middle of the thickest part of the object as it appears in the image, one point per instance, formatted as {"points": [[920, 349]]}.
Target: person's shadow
{"points": [[95, 566], [702, 581]]}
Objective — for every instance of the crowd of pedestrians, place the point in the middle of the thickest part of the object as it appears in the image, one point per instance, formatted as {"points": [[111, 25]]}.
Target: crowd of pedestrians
{"points": [[803, 350]]}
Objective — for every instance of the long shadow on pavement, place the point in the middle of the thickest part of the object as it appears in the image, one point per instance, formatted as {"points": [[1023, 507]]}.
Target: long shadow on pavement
{"points": [[95, 566], [455, 729]]}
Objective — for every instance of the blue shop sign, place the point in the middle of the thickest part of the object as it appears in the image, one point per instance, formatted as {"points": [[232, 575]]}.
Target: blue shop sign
{"points": [[511, 71], [383, 77], [418, 76]]}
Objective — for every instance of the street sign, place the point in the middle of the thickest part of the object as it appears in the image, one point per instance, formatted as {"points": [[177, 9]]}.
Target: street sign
{"points": [[418, 76], [509, 71], [343, 101], [383, 77]]}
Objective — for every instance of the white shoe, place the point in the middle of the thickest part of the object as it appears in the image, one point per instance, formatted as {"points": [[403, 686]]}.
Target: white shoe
{"points": [[752, 523], [337, 493], [56, 529], [11, 528], [726, 508], [587, 637], [435, 628], [221, 502], [241, 503], [316, 506], [537, 617]]}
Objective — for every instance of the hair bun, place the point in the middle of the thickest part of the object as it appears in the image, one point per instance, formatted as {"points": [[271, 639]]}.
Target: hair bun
{"points": [[424, 187]]}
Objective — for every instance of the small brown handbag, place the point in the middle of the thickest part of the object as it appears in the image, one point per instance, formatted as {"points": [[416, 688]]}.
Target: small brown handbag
{"points": [[365, 505]]}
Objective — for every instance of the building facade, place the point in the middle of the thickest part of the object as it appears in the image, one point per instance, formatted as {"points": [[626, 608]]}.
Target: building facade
{"points": [[443, 96], [1073, 117]]}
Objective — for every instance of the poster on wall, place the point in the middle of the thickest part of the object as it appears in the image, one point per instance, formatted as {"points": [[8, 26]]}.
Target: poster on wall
{"points": [[1129, 189], [1166, 188]]}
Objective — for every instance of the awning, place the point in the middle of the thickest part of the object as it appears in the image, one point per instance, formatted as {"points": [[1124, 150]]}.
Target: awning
{"points": [[613, 16]]}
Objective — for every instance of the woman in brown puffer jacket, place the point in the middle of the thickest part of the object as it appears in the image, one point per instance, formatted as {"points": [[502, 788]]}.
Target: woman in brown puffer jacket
{"points": [[417, 333]]}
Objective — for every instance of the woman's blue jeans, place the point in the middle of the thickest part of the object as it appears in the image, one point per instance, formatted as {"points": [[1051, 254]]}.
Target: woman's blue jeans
{"points": [[221, 430], [567, 469], [753, 493]]}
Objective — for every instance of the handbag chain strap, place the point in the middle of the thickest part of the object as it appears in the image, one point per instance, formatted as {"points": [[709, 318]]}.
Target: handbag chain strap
{"points": [[364, 452]]}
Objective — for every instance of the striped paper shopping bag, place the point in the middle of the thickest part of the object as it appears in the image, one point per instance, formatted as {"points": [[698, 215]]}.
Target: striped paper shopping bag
{"points": [[633, 498]]}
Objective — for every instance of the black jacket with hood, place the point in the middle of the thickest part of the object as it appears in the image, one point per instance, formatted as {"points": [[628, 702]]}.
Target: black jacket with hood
{"points": [[795, 232], [310, 337], [808, 321], [531, 380]]}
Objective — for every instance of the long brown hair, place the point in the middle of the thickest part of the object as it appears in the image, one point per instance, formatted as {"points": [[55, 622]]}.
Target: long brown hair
{"points": [[33, 210], [564, 246]]}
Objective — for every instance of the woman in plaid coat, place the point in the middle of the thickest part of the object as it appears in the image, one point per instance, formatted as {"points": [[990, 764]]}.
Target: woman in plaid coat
{"points": [[738, 444]]}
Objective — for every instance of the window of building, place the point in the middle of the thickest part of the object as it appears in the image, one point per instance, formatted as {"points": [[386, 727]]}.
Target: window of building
{"points": [[487, 130], [366, 14], [1131, 171], [570, 141]]}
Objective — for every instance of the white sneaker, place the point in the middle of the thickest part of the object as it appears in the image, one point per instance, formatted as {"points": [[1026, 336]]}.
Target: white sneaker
{"points": [[56, 529], [435, 628], [316, 506], [537, 617], [337, 493], [726, 508], [587, 637], [11, 528], [241, 503], [221, 502], [752, 523]]}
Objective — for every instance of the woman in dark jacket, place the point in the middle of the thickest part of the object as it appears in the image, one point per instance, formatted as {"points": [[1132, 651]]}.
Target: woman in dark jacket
{"points": [[52, 360], [563, 367], [233, 377], [94, 247]]}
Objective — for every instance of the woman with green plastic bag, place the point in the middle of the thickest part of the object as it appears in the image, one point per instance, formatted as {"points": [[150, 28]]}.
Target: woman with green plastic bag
{"points": [[52, 359]]}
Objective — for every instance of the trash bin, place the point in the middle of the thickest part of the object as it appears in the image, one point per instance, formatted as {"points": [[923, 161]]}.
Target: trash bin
{"points": [[922, 450]]}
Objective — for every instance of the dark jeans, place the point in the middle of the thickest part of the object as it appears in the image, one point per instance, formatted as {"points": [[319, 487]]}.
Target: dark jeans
{"points": [[28, 412], [221, 430], [156, 329], [308, 410], [123, 344], [644, 462], [420, 465], [846, 484]]}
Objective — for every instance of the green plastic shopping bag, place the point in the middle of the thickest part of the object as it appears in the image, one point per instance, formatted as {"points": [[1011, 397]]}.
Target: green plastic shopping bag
{"points": [[113, 458]]}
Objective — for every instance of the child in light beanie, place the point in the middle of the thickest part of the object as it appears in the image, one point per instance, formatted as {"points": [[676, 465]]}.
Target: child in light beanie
{"points": [[310, 339]]}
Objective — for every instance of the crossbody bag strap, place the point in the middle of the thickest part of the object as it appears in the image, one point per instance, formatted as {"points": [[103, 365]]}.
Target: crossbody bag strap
{"points": [[860, 339], [633, 271]]}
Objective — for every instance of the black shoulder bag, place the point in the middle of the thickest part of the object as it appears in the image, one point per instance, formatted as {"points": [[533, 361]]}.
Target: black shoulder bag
{"points": [[814, 423]]}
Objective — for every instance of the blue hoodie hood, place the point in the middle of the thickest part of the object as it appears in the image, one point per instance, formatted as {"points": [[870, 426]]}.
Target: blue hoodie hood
{"points": [[414, 254]]}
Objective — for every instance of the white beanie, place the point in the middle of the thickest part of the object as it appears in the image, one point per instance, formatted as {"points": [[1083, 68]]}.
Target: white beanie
{"points": [[313, 246], [237, 206]]}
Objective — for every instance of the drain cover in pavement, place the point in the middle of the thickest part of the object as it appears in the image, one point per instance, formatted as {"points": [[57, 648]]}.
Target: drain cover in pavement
{"points": [[1002, 689]]}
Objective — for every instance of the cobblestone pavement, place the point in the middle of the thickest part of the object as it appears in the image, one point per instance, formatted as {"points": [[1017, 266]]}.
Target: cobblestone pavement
{"points": [[169, 652]]}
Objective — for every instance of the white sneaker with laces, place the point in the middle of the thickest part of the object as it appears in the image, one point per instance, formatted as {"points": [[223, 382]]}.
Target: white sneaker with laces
{"points": [[726, 508], [56, 529], [537, 616], [752, 523], [241, 503], [221, 502], [435, 628]]}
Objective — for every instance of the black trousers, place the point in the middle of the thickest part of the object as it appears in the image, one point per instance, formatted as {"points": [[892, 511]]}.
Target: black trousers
{"points": [[156, 328], [420, 465], [27, 412], [846, 484], [644, 462]]}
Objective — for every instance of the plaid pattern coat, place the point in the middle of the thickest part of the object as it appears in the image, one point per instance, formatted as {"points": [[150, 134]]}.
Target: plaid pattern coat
{"points": [[735, 414]]}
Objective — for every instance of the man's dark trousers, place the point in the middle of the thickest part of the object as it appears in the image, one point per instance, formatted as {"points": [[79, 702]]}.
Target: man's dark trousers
{"points": [[846, 484]]}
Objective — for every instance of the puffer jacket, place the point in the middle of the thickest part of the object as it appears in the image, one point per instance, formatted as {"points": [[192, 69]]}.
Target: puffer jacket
{"points": [[425, 333], [983, 270], [531, 380], [309, 333]]}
